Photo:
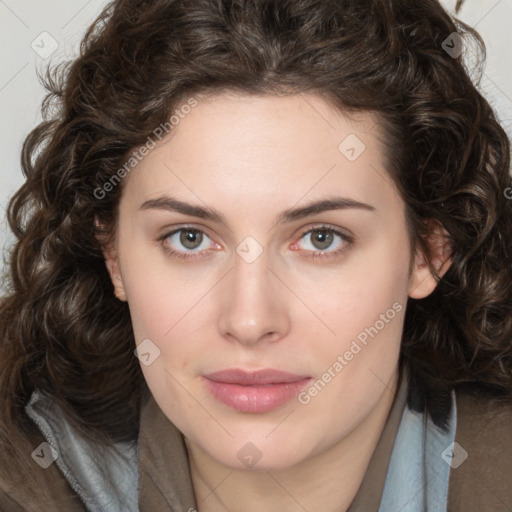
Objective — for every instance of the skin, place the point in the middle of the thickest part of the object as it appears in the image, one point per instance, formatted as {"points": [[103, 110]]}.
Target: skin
{"points": [[250, 158]]}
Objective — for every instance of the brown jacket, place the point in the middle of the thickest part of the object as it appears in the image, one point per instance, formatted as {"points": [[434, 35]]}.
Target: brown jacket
{"points": [[483, 483]]}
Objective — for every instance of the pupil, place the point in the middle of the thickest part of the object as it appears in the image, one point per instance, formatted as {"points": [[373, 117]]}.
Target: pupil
{"points": [[323, 239], [191, 239]]}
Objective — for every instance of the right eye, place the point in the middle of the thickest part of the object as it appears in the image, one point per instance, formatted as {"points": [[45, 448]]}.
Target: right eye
{"points": [[187, 242]]}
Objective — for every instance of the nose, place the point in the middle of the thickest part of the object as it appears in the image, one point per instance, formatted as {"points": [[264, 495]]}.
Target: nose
{"points": [[253, 305]]}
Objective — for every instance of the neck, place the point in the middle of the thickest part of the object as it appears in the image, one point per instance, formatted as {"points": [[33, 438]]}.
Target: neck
{"points": [[327, 482]]}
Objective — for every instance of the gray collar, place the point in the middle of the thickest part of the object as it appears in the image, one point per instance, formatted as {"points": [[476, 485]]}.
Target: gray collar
{"points": [[106, 484]]}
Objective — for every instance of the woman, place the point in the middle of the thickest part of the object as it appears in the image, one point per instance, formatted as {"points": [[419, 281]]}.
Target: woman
{"points": [[262, 263]]}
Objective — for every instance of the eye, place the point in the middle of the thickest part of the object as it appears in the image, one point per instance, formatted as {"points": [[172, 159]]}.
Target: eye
{"points": [[187, 242], [323, 241]]}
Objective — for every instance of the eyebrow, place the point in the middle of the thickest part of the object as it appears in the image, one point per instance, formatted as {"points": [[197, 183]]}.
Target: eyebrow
{"points": [[332, 203]]}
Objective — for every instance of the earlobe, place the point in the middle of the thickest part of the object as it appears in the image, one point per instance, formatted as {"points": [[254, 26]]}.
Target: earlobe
{"points": [[423, 280]]}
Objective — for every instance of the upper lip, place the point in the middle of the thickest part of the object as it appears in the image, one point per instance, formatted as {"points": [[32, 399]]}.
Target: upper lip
{"points": [[252, 378]]}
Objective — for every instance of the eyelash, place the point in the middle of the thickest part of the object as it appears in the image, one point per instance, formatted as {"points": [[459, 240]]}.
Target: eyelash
{"points": [[347, 239]]}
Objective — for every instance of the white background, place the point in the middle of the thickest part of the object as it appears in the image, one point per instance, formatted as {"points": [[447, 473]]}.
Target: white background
{"points": [[23, 21]]}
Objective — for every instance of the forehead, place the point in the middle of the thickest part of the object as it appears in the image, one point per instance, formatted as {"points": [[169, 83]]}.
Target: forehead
{"points": [[247, 150]]}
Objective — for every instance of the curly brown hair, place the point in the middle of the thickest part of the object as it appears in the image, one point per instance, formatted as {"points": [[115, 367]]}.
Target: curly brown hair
{"points": [[63, 332]]}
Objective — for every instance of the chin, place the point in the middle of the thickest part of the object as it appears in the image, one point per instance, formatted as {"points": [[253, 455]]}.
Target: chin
{"points": [[255, 453]]}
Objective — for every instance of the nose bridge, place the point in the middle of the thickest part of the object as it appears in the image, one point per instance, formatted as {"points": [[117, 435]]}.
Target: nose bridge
{"points": [[253, 307]]}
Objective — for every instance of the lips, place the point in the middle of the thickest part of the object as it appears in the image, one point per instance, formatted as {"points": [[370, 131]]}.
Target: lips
{"points": [[259, 391]]}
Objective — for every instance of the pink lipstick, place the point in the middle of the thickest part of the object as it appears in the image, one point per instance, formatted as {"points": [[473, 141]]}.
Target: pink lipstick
{"points": [[258, 391]]}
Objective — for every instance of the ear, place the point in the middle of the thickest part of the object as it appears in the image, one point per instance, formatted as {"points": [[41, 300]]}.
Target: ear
{"points": [[423, 281], [112, 263]]}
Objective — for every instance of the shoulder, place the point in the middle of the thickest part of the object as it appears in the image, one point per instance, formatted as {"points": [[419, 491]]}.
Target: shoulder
{"points": [[481, 473], [33, 486]]}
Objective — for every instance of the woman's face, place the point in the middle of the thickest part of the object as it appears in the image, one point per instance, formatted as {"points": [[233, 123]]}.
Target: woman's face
{"points": [[230, 257]]}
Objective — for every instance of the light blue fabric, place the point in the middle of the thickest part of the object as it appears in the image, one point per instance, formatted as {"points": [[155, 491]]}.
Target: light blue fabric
{"points": [[417, 478], [418, 475]]}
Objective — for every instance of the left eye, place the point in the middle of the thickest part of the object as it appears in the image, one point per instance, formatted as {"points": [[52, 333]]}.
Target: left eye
{"points": [[320, 239]]}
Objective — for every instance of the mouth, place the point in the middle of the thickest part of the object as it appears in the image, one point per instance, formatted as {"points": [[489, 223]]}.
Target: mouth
{"points": [[256, 392]]}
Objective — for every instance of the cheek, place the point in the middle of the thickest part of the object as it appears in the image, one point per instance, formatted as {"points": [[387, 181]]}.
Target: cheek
{"points": [[170, 322], [159, 294], [371, 284], [170, 311]]}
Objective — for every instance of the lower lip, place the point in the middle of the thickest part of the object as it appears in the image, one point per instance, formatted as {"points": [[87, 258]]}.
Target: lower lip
{"points": [[261, 398]]}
